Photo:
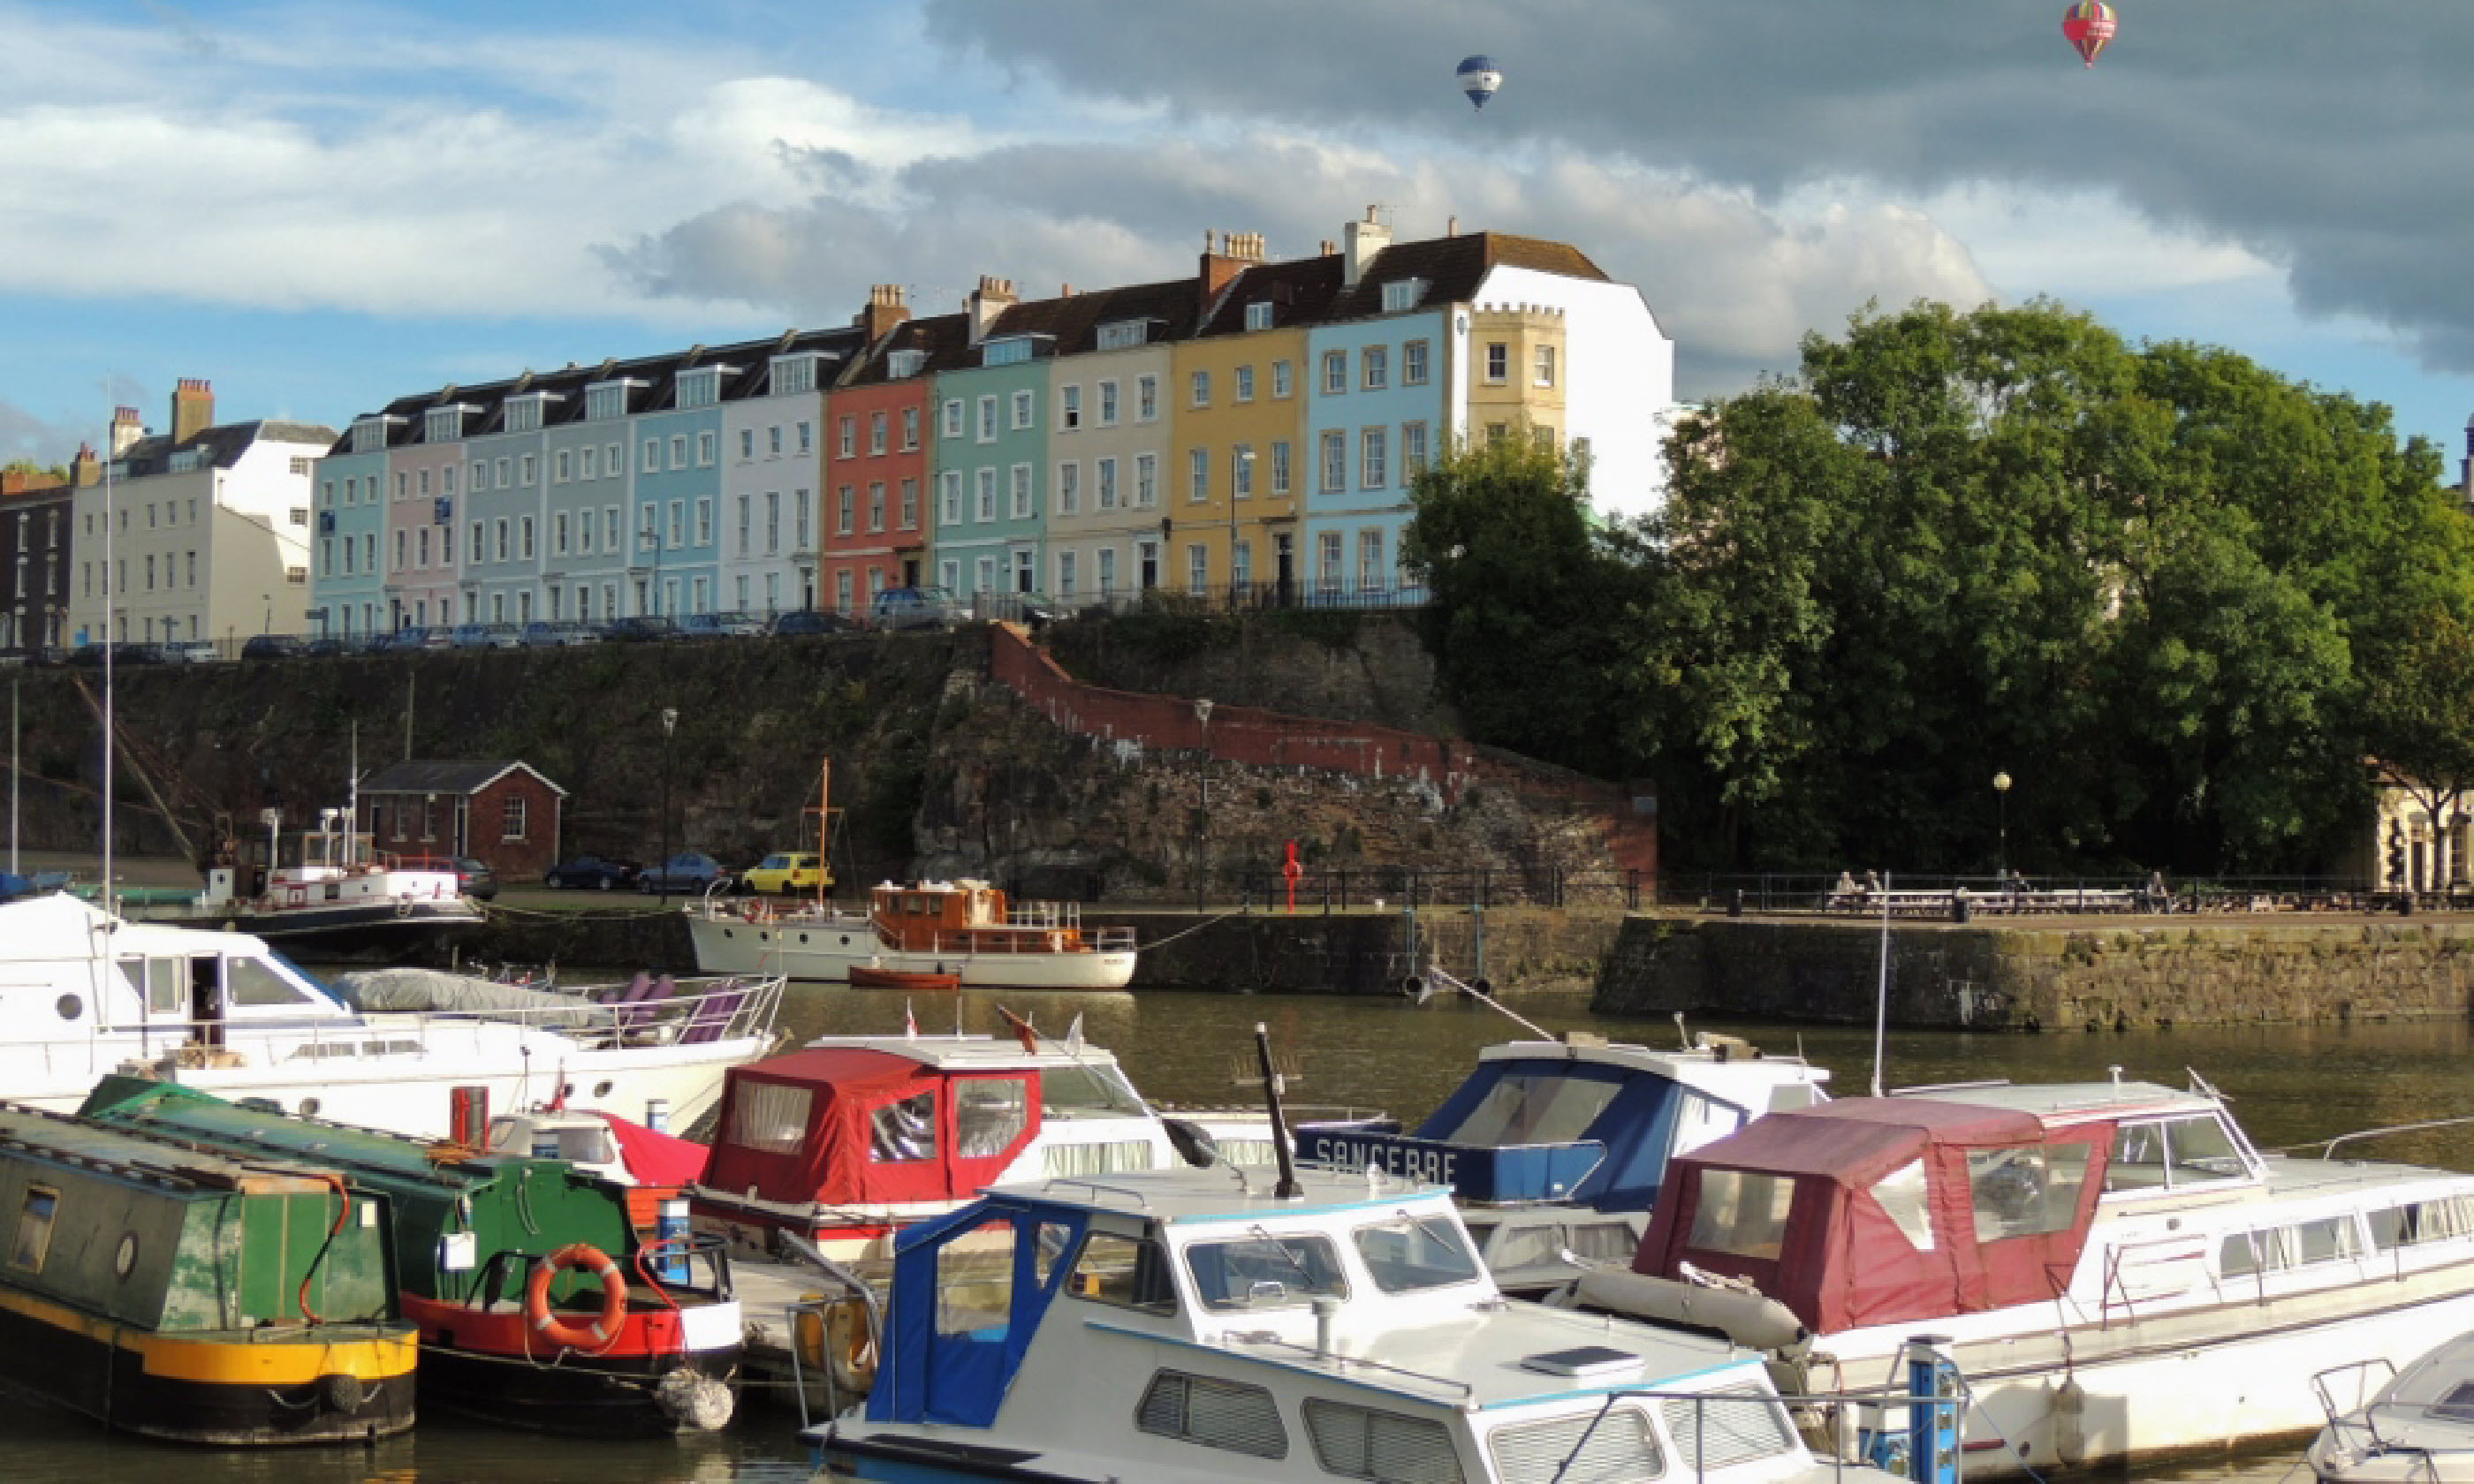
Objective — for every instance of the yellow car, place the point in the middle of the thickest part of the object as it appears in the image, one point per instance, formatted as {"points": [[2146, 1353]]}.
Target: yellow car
{"points": [[787, 873]]}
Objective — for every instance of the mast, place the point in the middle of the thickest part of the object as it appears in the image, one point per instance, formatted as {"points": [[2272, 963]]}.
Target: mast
{"points": [[824, 827], [110, 596]]}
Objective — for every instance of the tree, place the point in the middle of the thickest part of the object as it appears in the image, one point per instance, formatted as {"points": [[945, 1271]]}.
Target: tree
{"points": [[2418, 721]]}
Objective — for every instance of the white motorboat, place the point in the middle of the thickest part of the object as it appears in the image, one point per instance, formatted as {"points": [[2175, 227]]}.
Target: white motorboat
{"points": [[1232, 1326], [2415, 1428], [329, 894], [2119, 1272], [965, 928], [83, 992]]}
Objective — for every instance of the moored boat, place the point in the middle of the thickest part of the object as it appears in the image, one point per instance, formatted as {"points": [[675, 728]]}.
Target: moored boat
{"points": [[127, 1293], [870, 976], [2415, 1428], [965, 928], [2118, 1271], [330, 894], [541, 1300]]}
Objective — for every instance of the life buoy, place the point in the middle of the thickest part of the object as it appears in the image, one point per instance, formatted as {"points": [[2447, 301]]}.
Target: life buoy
{"points": [[839, 1342], [614, 1298]]}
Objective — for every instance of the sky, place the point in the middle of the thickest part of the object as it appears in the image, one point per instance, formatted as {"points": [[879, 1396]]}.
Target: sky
{"points": [[320, 207]]}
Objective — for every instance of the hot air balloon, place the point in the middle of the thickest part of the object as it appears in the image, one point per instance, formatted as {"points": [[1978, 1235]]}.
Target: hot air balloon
{"points": [[1479, 78], [2088, 26]]}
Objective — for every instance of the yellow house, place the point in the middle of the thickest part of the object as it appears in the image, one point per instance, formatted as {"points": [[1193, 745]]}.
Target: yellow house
{"points": [[1515, 372]]}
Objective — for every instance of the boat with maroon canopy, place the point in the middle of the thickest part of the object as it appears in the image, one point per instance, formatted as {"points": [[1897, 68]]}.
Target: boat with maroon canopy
{"points": [[2118, 1271]]}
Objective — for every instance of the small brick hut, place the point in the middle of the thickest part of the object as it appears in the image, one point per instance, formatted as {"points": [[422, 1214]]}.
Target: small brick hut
{"points": [[505, 813]]}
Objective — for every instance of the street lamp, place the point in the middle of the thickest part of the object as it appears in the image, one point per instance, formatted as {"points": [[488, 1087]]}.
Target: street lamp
{"points": [[2001, 849], [670, 727]]}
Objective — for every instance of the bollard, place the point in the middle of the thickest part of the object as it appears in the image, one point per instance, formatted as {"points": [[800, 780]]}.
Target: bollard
{"points": [[1735, 903], [1959, 910]]}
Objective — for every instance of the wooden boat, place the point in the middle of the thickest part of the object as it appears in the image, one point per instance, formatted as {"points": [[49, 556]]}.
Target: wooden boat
{"points": [[967, 928], [130, 1294], [870, 976], [540, 1300]]}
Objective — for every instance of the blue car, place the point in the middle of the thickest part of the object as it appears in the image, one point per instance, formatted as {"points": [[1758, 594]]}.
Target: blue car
{"points": [[688, 870]]}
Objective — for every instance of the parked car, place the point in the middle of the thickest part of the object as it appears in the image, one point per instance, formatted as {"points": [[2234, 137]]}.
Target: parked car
{"points": [[809, 620], [271, 646], [639, 629], [485, 637], [551, 634], [414, 637], [193, 651], [917, 607], [784, 871], [720, 625], [688, 870], [596, 873], [127, 652], [473, 876]]}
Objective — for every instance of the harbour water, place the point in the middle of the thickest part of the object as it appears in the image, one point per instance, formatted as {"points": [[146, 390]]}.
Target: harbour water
{"points": [[2289, 1085]]}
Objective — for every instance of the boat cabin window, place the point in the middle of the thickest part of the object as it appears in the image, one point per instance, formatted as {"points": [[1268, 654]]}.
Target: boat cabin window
{"points": [[2025, 1189], [1901, 1194], [1090, 1091], [1265, 1272], [1535, 1108], [2442, 1220], [1527, 1245], [904, 1130], [769, 1118], [1742, 1212], [1368, 1443], [2274, 1249], [162, 984], [1407, 1254], [1206, 1410], [2173, 1152], [990, 1114], [1614, 1445], [253, 981], [2457, 1406], [1727, 1428], [34, 1242], [1127, 1272], [975, 1282]]}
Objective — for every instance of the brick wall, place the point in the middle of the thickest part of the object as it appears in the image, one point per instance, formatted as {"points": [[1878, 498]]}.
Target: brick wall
{"points": [[514, 860]]}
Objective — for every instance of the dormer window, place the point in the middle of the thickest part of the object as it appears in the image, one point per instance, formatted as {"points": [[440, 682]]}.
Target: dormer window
{"points": [[606, 401], [794, 374], [1124, 334], [700, 387], [1012, 350], [1403, 293], [443, 424], [904, 363], [525, 413], [1258, 314], [369, 434], [183, 461]]}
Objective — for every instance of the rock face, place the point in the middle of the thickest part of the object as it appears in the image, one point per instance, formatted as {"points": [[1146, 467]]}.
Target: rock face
{"points": [[2147, 972]]}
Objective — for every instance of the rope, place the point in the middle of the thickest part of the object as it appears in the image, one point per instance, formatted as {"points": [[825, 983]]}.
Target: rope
{"points": [[1163, 943]]}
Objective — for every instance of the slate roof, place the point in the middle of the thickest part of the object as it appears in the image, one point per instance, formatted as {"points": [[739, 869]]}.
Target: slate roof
{"points": [[1453, 268], [1072, 321], [1300, 290], [946, 338], [221, 445], [445, 778]]}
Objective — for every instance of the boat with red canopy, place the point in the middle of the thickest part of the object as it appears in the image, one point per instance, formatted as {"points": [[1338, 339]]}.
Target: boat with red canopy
{"points": [[2118, 1270]]}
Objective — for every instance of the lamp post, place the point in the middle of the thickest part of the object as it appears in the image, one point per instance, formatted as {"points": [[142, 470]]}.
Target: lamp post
{"points": [[1203, 806], [669, 728], [2001, 847]]}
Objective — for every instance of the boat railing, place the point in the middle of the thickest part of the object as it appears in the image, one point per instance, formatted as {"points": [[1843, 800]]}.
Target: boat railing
{"points": [[2359, 1374], [2328, 1146], [986, 940]]}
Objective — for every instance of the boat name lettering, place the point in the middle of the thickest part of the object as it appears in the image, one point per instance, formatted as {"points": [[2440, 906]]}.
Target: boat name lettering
{"points": [[1436, 1167]]}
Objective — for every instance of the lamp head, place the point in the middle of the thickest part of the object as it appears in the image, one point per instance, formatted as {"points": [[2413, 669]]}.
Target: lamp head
{"points": [[2001, 782]]}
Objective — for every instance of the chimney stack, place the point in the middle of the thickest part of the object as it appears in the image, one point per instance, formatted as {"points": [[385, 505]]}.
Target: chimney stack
{"points": [[992, 299], [885, 310], [193, 408], [86, 468], [1365, 240], [127, 428]]}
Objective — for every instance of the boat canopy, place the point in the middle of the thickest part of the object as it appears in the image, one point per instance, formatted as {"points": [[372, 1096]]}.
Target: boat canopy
{"points": [[848, 1125], [1883, 1211], [957, 1341]]}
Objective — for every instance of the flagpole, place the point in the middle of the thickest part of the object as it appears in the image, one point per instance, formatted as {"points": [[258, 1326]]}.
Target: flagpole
{"points": [[111, 593]]}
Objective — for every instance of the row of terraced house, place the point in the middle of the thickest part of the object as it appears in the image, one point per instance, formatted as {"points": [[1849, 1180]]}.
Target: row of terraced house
{"points": [[1252, 429]]}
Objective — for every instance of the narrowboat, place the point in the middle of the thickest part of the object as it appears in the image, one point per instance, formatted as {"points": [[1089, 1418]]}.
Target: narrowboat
{"points": [[195, 1296], [541, 1297]]}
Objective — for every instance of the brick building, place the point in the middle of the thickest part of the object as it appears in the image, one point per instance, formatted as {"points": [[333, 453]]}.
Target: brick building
{"points": [[504, 813], [35, 557]]}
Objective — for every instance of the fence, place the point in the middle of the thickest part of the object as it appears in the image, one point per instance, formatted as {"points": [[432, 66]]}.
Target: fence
{"points": [[1343, 889], [1203, 598], [1930, 894]]}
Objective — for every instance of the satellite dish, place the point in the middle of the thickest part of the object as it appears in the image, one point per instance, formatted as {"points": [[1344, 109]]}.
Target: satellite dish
{"points": [[1479, 78]]}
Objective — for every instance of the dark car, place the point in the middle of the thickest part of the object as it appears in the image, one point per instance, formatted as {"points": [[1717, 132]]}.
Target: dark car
{"points": [[809, 620], [475, 878], [124, 653], [639, 629], [330, 645], [688, 870], [271, 646], [594, 871]]}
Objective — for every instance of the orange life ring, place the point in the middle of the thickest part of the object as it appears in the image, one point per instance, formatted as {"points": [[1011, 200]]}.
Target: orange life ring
{"points": [[614, 1298]]}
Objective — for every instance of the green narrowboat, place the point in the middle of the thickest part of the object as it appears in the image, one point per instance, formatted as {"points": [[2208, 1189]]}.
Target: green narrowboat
{"points": [[540, 1300], [192, 1296]]}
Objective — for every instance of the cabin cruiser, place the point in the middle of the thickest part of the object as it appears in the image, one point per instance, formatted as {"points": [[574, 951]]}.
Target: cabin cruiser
{"points": [[2118, 1270], [2415, 1428], [1230, 1324], [85, 993], [965, 928], [329, 894], [1556, 1147]]}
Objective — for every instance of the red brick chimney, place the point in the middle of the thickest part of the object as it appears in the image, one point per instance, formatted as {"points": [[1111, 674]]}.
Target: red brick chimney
{"points": [[86, 468], [885, 310], [193, 408], [1238, 251], [127, 428]]}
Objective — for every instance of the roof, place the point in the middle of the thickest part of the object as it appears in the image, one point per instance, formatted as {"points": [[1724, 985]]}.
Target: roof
{"points": [[1073, 320], [2068, 1102], [1454, 267], [1224, 1193], [957, 1053], [1301, 292], [448, 777], [220, 446], [1860, 1138], [943, 340]]}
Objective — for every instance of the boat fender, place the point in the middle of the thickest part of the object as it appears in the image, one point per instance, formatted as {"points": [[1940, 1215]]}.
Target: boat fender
{"points": [[694, 1400], [1744, 1316], [591, 1259], [2069, 1423], [1193, 1142], [345, 1392], [837, 1341]]}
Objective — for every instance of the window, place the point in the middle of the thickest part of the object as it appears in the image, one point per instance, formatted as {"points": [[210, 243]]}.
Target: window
{"points": [[1369, 1443], [562, 468], [1280, 468], [2450, 1218], [678, 450], [1413, 450], [1241, 471], [1122, 335], [902, 1131], [1402, 294], [988, 427], [1198, 569], [1234, 1416], [910, 430], [772, 524], [585, 468], [1375, 364], [1021, 411], [1127, 1272], [610, 529], [1025, 570], [987, 487], [1241, 573], [1545, 373], [1145, 480], [503, 532], [983, 575], [1198, 389], [1069, 488], [1614, 1445], [558, 534], [1069, 407], [703, 529], [1065, 574], [1335, 462], [1499, 362], [989, 1115], [704, 450], [1198, 475], [875, 505], [1021, 504], [2180, 1152], [954, 418], [1259, 1272], [1742, 1213], [33, 1240], [526, 541], [910, 505], [2025, 1189], [1146, 399], [1107, 570], [605, 402], [1373, 464], [847, 438], [1258, 314], [794, 374], [678, 524], [653, 456], [699, 387], [1108, 405], [1901, 1195], [421, 548], [515, 811], [846, 509], [746, 444], [1713, 1433], [1245, 383], [1108, 470], [952, 501], [1335, 372], [1012, 350], [1280, 378]]}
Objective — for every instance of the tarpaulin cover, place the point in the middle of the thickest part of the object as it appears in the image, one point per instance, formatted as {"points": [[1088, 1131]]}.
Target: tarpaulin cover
{"points": [[654, 1158], [1843, 1262], [938, 1371], [825, 1156]]}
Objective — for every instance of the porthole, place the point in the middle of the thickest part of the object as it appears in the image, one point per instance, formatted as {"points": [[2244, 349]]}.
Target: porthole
{"points": [[727, 933], [602, 1088], [124, 1261], [309, 1107], [69, 1006], [845, 939]]}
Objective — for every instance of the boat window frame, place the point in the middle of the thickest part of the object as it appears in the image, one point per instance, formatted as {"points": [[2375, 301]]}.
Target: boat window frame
{"points": [[1165, 1303], [1431, 1225], [30, 1246], [2170, 1179], [1312, 1254]]}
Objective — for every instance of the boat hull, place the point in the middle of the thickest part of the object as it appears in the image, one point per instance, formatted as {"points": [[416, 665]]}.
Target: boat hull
{"points": [[488, 1364], [334, 1383], [347, 931], [824, 953]]}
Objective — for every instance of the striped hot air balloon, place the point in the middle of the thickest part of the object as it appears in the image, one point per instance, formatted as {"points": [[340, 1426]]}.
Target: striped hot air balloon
{"points": [[2088, 26], [1479, 78]]}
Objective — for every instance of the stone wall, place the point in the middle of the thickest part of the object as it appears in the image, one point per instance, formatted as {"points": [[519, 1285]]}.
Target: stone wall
{"points": [[2147, 972]]}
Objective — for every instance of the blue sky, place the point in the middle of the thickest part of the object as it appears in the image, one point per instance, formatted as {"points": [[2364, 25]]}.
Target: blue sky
{"points": [[320, 207]]}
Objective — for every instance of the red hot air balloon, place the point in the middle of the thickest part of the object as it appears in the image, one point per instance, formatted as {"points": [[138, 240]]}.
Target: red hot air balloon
{"points": [[2088, 26]]}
